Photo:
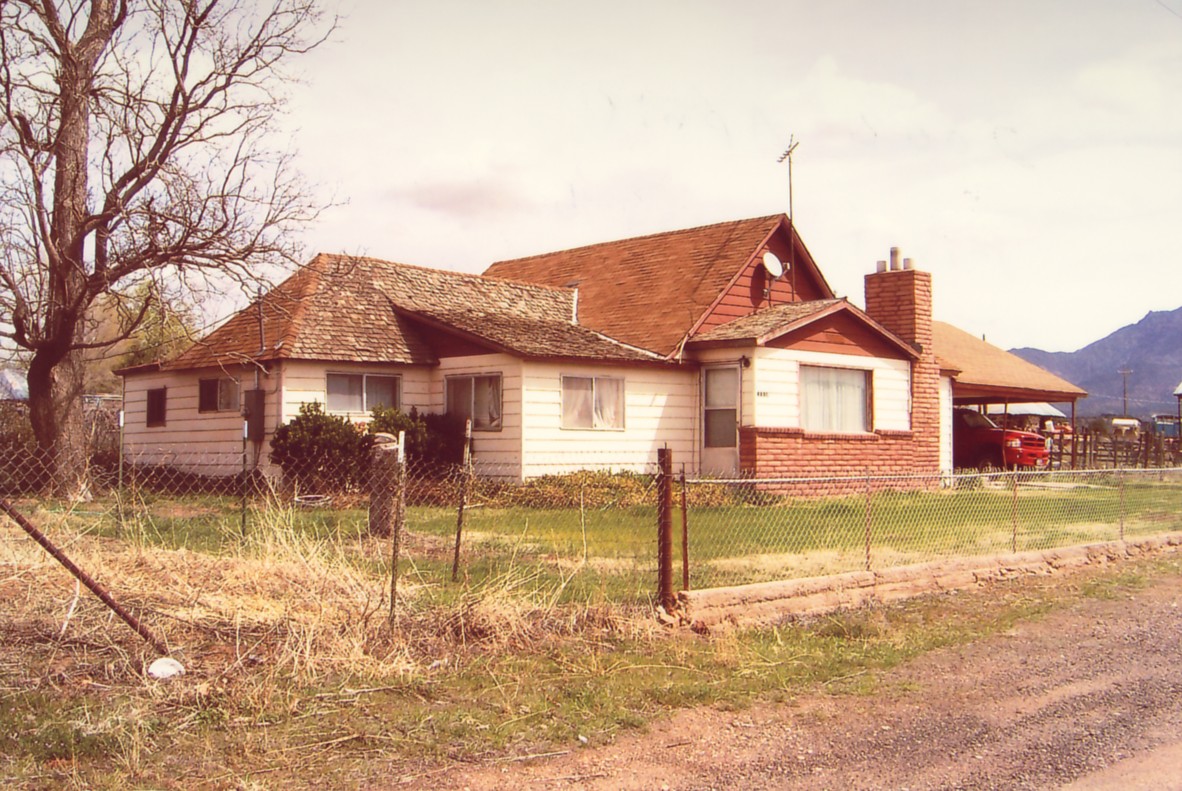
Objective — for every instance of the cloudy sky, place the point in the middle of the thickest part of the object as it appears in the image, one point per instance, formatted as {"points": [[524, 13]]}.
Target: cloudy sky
{"points": [[1027, 153]]}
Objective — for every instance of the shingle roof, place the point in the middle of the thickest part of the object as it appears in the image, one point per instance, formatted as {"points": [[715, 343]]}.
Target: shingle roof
{"points": [[769, 320], [358, 309], [986, 370], [651, 290]]}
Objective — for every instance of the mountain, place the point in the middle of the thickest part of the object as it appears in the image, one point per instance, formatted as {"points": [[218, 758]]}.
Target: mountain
{"points": [[1151, 349]]}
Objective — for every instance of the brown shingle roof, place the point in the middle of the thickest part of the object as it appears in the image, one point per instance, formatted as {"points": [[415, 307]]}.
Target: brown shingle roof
{"points": [[358, 309], [651, 290], [771, 320], [987, 372]]}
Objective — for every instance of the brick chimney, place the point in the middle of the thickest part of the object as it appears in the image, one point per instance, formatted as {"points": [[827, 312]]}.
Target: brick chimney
{"points": [[899, 298]]}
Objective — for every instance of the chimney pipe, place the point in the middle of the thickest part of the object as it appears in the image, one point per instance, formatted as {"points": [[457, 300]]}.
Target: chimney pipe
{"points": [[880, 266], [894, 259], [906, 263]]}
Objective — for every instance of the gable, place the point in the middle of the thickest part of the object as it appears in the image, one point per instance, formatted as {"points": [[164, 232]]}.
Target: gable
{"points": [[753, 289], [839, 333], [651, 291]]}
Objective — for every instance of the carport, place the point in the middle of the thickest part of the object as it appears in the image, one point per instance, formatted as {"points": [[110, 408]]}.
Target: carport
{"points": [[989, 375]]}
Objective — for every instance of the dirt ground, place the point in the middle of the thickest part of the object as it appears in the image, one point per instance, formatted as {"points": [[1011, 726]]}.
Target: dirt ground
{"points": [[1088, 698]]}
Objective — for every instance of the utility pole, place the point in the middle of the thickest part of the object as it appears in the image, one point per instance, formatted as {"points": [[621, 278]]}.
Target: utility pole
{"points": [[1124, 372]]}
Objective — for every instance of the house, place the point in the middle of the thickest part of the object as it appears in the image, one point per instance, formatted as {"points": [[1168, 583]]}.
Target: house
{"points": [[724, 343]]}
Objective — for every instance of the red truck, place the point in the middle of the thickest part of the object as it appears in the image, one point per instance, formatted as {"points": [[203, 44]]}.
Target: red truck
{"points": [[979, 442]]}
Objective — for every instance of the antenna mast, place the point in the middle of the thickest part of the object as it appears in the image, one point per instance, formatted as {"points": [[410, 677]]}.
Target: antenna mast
{"points": [[787, 155]]}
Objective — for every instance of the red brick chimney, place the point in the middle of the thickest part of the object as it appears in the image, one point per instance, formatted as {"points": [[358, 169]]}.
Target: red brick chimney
{"points": [[900, 298]]}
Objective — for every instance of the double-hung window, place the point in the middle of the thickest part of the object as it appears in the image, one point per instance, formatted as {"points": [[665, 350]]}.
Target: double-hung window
{"points": [[217, 395], [361, 392], [476, 398], [834, 400], [595, 402]]}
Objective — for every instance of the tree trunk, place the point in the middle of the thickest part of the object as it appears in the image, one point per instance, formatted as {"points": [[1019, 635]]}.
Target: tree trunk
{"points": [[59, 425]]}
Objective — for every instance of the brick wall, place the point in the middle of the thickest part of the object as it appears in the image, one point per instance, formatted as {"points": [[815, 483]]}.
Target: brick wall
{"points": [[901, 301]]}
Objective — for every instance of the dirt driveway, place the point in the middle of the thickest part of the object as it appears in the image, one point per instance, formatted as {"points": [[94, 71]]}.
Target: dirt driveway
{"points": [[1089, 697]]}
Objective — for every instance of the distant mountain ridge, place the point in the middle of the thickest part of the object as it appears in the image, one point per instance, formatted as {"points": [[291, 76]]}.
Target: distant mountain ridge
{"points": [[1151, 349]]}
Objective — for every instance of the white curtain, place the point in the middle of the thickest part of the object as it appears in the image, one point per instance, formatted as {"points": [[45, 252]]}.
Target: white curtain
{"points": [[834, 399], [577, 410], [609, 403]]}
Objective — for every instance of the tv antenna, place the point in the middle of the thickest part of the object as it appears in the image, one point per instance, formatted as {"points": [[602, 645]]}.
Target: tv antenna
{"points": [[787, 155]]}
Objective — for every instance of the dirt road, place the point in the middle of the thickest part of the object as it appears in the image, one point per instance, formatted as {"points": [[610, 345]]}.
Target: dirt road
{"points": [[1089, 698]]}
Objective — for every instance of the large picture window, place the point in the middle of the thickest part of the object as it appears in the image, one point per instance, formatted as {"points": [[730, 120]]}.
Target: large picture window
{"points": [[477, 398], [595, 402], [217, 395], [361, 392], [834, 400]]}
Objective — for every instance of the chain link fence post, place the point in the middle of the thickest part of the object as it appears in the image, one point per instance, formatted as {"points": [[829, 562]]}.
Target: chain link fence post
{"points": [[869, 517], [465, 484], [665, 529]]}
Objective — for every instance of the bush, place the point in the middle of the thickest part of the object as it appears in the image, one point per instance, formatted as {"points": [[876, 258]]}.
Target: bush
{"points": [[321, 453], [430, 439]]}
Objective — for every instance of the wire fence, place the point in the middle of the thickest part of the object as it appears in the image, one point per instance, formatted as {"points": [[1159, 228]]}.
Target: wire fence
{"points": [[593, 535], [745, 531]]}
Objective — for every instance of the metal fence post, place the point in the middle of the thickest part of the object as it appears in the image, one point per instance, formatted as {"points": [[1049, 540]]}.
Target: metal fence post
{"points": [[399, 518], [1014, 515], [465, 482], [869, 518], [665, 530], [1120, 482], [685, 581]]}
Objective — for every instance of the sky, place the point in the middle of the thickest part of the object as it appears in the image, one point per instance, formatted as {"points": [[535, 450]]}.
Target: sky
{"points": [[1028, 154]]}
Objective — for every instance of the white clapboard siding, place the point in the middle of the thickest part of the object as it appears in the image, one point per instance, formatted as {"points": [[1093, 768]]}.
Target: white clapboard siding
{"points": [[209, 443], [946, 424], [660, 409]]}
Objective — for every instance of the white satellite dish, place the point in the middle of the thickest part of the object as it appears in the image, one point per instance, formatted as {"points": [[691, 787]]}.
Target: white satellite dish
{"points": [[772, 264]]}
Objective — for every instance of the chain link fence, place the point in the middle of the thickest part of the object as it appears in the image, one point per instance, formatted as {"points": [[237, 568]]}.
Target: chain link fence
{"points": [[744, 530], [593, 535]]}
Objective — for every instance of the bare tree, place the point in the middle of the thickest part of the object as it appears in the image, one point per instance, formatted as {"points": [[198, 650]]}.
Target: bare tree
{"points": [[134, 147]]}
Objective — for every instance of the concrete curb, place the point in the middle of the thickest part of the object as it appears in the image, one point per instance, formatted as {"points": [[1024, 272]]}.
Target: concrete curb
{"points": [[769, 602]]}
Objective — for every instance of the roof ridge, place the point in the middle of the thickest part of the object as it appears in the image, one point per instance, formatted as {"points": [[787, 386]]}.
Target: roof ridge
{"points": [[642, 237], [470, 276]]}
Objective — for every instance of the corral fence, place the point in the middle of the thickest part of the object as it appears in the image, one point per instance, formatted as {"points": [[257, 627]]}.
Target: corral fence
{"points": [[602, 534]]}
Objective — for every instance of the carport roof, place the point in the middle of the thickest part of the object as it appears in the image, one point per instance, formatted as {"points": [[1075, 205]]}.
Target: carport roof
{"points": [[989, 374]]}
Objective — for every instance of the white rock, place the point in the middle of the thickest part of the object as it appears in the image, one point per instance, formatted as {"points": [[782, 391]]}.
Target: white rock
{"points": [[165, 667]]}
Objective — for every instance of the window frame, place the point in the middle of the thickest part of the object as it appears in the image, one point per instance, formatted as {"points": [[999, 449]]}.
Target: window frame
{"points": [[594, 379], [365, 405], [155, 394], [449, 382], [221, 383], [867, 400]]}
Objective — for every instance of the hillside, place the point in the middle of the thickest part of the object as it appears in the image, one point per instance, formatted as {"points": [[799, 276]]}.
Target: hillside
{"points": [[1151, 349]]}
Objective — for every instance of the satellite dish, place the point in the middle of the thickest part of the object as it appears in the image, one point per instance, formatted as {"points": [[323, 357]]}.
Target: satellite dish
{"points": [[772, 264]]}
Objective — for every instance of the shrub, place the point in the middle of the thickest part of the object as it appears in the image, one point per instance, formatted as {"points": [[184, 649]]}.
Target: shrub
{"points": [[430, 439], [320, 452]]}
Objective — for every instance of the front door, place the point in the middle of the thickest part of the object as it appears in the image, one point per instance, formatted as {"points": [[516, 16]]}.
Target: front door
{"points": [[720, 420]]}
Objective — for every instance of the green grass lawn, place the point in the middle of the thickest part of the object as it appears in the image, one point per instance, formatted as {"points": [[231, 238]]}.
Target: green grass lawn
{"points": [[609, 553]]}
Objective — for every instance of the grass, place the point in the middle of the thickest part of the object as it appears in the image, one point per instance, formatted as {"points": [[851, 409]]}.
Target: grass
{"points": [[296, 677], [606, 553]]}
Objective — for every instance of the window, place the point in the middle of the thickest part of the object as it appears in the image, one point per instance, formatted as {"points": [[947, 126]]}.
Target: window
{"points": [[477, 398], [834, 399], [361, 392], [217, 395], [157, 402], [592, 402], [721, 407]]}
